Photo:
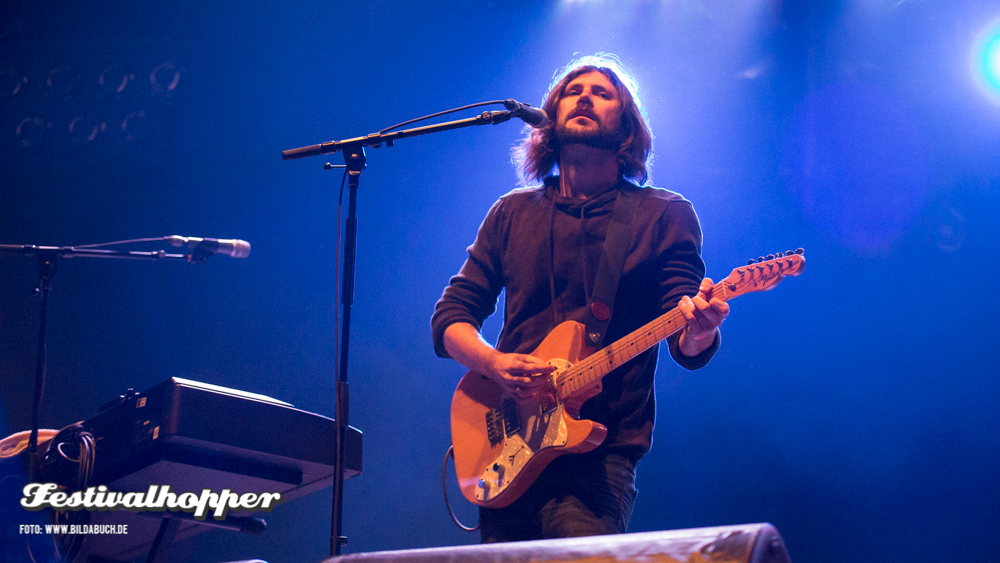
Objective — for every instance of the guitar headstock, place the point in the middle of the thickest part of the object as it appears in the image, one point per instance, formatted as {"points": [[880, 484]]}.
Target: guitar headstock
{"points": [[761, 274]]}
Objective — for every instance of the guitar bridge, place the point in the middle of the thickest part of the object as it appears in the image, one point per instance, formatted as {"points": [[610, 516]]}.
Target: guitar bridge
{"points": [[547, 403], [494, 426]]}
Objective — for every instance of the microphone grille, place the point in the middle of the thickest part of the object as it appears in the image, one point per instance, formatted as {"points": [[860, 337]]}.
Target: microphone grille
{"points": [[241, 248]]}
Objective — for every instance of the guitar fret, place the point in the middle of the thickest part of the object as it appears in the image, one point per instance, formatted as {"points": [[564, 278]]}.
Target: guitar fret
{"points": [[606, 360], [610, 357]]}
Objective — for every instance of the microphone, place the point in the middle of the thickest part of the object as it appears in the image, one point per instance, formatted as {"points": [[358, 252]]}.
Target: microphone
{"points": [[230, 247], [534, 117]]}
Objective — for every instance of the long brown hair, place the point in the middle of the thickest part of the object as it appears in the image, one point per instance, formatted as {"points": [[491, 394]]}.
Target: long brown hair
{"points": [[537, 155]]}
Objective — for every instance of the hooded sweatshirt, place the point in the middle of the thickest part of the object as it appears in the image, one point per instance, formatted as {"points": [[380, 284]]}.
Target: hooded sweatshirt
{"points": [[543, 249]]}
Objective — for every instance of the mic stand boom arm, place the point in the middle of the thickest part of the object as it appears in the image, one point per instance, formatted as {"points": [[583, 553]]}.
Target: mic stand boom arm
{"points": [[375, 140], [70, 252]]}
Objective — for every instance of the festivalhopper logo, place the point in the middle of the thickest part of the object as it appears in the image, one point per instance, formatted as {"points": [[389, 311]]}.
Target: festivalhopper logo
{"points": [[159, 498]]}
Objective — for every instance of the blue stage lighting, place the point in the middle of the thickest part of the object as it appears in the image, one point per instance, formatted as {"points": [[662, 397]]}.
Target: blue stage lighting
{"points": [[987, 60], [991, 61]]}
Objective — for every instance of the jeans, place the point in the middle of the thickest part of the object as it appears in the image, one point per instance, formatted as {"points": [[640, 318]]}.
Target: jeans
{"points": [[577, 495]]}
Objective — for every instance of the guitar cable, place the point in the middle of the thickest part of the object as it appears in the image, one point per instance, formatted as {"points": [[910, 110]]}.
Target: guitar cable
{"points": [[444, 487]]}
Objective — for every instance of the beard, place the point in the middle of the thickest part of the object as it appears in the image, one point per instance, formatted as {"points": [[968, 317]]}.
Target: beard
{"points": [[600, 138]]}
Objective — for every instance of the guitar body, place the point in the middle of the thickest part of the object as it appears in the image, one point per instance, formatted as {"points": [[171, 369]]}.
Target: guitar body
{"points": [[501, 445]]}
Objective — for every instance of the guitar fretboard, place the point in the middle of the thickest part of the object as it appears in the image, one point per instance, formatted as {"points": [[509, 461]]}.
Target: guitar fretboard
{"points": [[602, 362]]}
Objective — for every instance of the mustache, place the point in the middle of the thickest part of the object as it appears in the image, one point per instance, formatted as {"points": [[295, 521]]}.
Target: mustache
{"points": [[585, 112]]}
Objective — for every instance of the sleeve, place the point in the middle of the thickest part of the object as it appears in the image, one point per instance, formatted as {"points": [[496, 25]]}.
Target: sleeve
{"points": [[682, 272], [472, 294]]}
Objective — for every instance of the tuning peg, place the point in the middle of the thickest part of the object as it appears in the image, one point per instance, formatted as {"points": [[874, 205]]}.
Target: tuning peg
{"points": [[760, 258], [751, 261], [788, 253], [770, 256], [800, 251]]}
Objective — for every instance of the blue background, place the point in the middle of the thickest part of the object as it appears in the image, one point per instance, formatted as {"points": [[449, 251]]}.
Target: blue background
{"points": [[854, 407]]}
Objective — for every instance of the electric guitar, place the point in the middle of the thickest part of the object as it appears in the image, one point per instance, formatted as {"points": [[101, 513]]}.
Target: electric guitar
{"points": [[502, 445]]}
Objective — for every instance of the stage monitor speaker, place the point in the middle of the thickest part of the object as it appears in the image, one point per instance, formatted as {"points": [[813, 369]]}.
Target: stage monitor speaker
{"points": [[748, 543]]}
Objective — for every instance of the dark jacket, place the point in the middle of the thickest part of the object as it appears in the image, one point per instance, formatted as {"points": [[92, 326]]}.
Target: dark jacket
{"points": [[544, 249]]}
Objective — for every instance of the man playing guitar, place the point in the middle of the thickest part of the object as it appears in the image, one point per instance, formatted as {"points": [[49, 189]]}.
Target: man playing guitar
{"points": [[543, 245]]}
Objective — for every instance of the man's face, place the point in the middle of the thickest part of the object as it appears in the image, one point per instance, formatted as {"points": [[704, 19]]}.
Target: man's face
{"points": [[589, 113]]}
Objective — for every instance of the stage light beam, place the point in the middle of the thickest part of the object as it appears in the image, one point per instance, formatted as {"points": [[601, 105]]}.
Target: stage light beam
{"points": [[991, 61], [987, 60]]}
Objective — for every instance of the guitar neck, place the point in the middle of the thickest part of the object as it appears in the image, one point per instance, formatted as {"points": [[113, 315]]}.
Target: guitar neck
{"points": [[759, 275], [605, 360]]}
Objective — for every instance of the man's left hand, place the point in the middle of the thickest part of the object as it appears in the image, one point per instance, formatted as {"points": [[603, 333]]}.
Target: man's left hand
{"points": [[703, 314]]}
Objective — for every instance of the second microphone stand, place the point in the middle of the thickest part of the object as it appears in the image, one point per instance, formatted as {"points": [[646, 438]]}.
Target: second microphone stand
{"points": [[48, 257]]}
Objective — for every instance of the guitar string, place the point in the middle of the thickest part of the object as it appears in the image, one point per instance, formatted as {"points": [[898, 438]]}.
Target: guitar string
{"points": [[602, 355], [615, 354], [606, 357], [618, 353]]}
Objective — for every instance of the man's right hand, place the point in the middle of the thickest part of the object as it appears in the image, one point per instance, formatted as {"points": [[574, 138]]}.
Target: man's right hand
{"points": [[520, 375]]}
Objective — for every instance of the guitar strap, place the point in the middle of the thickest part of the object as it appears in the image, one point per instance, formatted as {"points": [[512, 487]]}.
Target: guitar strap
{"points": [[609, 272]]}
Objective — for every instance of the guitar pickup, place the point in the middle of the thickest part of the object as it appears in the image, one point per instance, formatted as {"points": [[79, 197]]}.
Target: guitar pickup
{"points": [[511, 418]]}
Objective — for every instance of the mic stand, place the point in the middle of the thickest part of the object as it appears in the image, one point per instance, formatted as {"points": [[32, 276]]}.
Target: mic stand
{"points": [[354, 159], [46, 269], [47, 260]]}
